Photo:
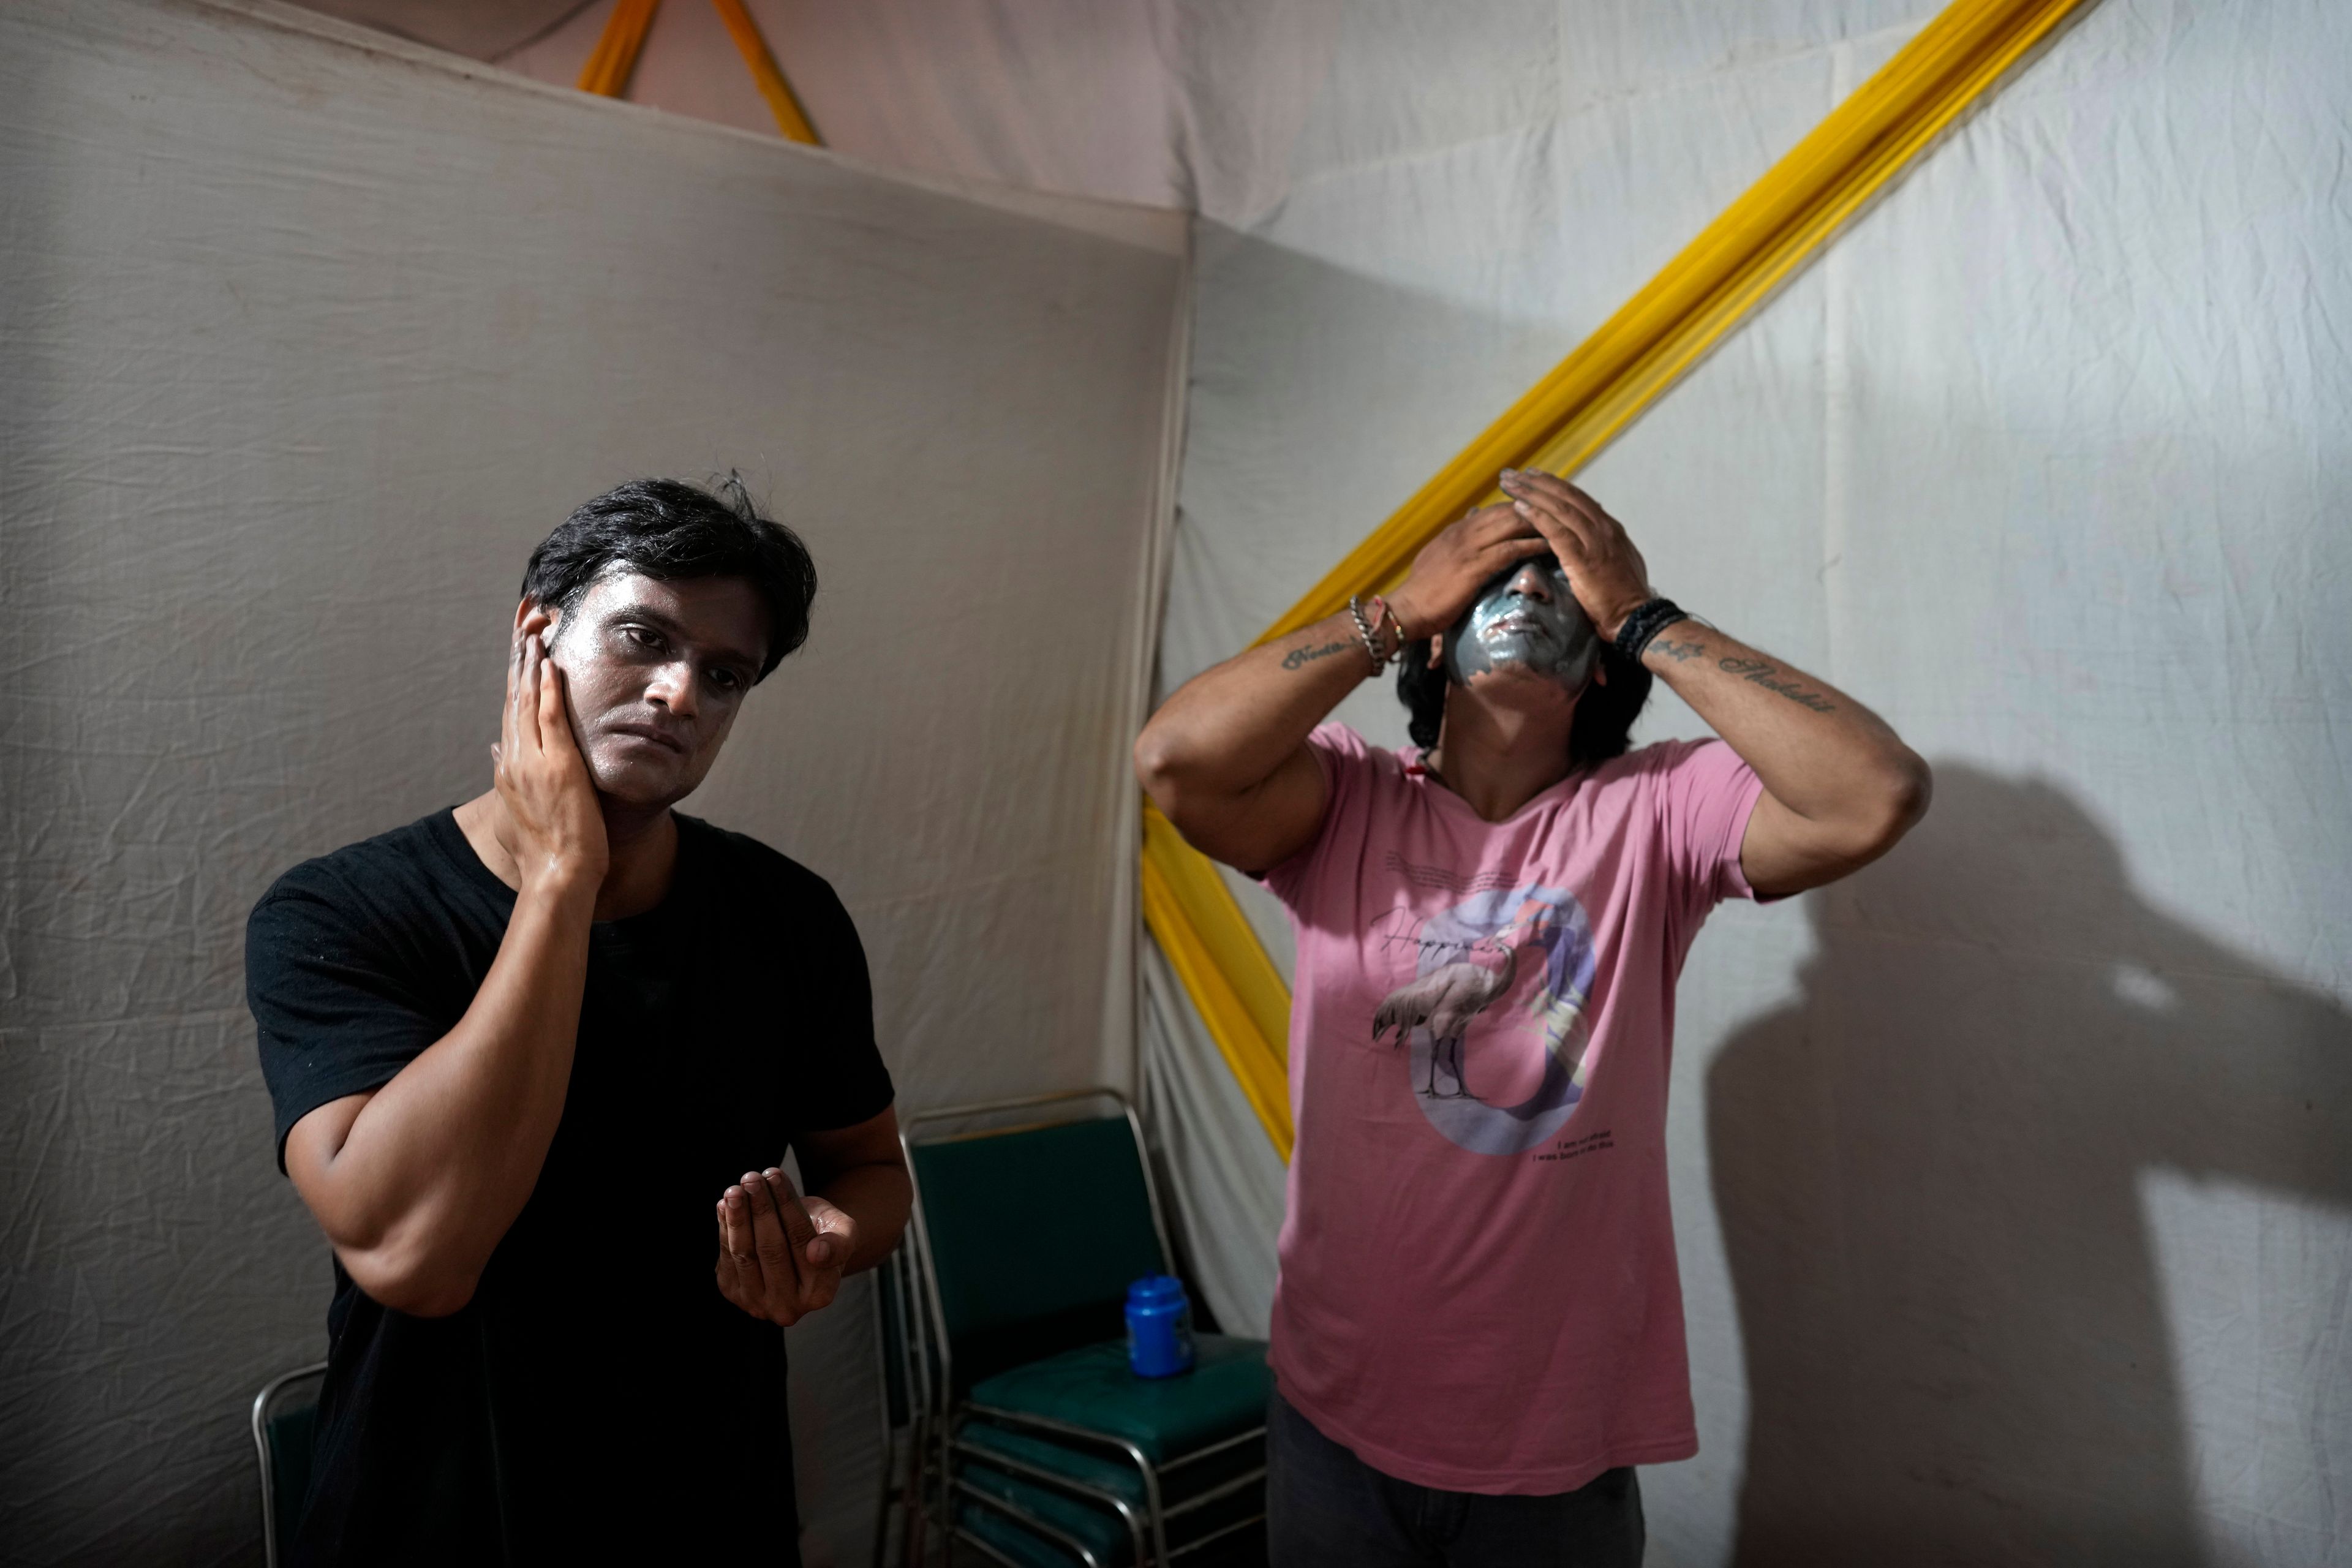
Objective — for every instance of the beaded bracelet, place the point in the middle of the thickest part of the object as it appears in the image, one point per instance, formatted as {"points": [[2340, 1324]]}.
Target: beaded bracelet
{"points": [[1645, 622]]}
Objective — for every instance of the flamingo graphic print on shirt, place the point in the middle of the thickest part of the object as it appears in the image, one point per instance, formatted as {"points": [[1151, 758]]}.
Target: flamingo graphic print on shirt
{"points": [[1529, 945]]}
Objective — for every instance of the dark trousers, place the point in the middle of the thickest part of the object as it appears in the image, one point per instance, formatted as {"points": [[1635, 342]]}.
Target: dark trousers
{"points": [[1328, 1509]]}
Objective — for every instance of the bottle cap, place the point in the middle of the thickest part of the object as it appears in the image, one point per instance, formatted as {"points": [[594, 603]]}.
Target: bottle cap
{"points": [[1154, 1289]]}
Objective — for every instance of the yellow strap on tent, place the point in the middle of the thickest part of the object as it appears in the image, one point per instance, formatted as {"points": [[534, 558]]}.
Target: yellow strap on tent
{"points": [[616, 55], [1223, 967], [790, 117], [1637, 354], [1596, 391]]}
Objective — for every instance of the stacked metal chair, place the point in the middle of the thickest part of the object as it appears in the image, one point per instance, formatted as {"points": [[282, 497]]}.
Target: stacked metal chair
{"points": [[284, 1414], [1017, 1428]]}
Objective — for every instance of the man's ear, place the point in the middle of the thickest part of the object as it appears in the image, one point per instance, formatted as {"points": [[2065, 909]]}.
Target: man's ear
{"points": [[531, 615]]}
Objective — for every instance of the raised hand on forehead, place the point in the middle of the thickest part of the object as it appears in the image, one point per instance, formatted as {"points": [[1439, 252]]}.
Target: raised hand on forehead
{"points": [[1453, 567], [1604, 570]]}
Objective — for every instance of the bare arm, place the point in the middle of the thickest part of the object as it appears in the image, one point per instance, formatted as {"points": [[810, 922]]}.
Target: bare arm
{"points": [[1839, 787], [859, 1173], [1227, 756], [416, 1182]]}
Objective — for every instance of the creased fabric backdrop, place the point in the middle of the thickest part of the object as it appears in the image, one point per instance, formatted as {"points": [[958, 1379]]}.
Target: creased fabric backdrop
{"points": [[1169, 103], [308, 337], [2013, 1178], [2014, 1204]]}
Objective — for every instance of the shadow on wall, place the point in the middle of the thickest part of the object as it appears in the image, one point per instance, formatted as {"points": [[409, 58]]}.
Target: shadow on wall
{"points": [[1929, 1170]]}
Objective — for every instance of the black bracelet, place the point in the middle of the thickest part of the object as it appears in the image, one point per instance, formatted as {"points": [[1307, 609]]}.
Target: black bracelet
{"points": [[1643, 624]]}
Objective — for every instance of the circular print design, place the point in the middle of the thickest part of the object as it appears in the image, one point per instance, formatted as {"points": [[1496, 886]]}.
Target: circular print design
{"points": [[1495, 1017]]}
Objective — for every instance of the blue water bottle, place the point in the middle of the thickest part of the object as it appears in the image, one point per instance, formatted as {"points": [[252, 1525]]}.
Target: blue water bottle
{"points": [[1158, 1327]]}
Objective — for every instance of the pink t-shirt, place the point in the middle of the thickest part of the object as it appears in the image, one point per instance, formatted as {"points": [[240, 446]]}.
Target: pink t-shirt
{"points": [[1478, 1289]]}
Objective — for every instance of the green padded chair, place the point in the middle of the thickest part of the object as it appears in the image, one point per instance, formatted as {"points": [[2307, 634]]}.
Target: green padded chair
{"points": [[1025, 1240], [284, 1414]]}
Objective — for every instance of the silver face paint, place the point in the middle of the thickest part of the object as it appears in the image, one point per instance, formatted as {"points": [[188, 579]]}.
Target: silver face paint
{"points": [[1505, 625]]}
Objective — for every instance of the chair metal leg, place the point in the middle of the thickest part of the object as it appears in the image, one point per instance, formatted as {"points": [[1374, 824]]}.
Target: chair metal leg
{"points": [[1035, 1526], [890, 1492], [1135, 1455], [1135, 1525]]}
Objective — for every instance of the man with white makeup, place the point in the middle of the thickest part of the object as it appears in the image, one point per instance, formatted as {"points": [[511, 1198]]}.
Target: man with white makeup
{"points": [[514, 1047], [1477, 1328]]}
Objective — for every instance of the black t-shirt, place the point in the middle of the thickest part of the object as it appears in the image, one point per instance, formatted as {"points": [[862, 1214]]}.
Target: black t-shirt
{"points": [[597, 1389]]}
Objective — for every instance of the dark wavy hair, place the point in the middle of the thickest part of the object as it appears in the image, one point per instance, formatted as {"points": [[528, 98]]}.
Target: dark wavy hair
{"points": [[669, 529], [1604, 714]]}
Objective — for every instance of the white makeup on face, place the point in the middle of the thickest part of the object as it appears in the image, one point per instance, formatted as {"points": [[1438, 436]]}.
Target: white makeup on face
{"points": [[1527, 616], [655, 671]]}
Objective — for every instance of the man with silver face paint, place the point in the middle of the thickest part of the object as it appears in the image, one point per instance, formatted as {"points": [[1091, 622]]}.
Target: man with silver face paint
{"points": [[1527, 615], [1478, 1330]]}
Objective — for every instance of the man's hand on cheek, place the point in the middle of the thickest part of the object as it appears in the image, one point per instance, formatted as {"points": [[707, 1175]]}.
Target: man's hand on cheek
{"points": [[780, 1256]]}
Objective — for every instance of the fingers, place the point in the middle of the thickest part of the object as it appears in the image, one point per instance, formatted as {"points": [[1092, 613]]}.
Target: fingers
{"points": [[1548, 510], [1551, 487], [729, 1274], [536, 719], [1561, 538], [779, 1269], [1504, 535], [543, 678], [835, 1241], [799, 1229], [1540, 495], [1605, 570], [1487, 524], [554, 726], [505, 748], [1449, 571], [1511, 552], [794, 1261], [828, 1253], [739, 1262], [1570, 540], [521, 737]]}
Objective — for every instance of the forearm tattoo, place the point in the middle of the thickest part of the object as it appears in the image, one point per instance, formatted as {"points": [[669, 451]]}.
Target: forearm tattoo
{"points": [[1756, 671], [1763, 673], [1299, 658]]}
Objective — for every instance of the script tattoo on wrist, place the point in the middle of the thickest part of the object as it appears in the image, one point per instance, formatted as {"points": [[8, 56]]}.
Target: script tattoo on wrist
{"points": [[1680, 652], [1761, 672], [1299, 657]]}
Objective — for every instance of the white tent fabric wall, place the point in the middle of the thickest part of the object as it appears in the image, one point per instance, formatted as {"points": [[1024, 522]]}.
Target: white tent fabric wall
{"points": [[309, 337], [2014, 1178], [1165, 103]]}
